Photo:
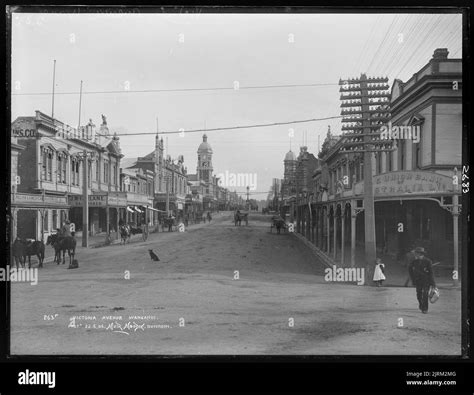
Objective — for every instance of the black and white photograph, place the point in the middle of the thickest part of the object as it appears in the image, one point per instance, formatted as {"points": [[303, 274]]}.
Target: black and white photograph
{"points": [[196, 182]]}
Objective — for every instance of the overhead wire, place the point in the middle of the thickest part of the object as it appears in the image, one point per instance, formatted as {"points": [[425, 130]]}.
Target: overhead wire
{"points": [[177, 89]]}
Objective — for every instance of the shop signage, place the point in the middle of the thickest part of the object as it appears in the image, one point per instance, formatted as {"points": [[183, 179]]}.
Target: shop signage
{"points": [[24, 198], [94, 201], [405, 182], [119, 201]]}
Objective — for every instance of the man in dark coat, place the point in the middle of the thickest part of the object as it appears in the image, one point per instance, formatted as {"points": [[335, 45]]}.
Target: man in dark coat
{"points": [[421, 274], [66, 229], [170, 223]]}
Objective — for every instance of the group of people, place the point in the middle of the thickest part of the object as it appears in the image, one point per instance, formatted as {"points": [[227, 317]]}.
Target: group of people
{"points": [[420, 272]]}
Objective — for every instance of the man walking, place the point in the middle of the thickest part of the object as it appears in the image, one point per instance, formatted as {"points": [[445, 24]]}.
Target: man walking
{"points": [[170, 223], [421, 274]]}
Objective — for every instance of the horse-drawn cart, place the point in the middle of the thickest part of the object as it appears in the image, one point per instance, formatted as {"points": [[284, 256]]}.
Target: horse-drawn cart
{"points": [[240, 216], [126, 231], [278, 223]]}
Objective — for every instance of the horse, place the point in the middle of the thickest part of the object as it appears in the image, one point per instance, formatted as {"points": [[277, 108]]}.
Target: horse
{"points": [[53, 241], [66, 243], [22, 249], [19, 252], [124, 234], [35, 248], [62, 244]]}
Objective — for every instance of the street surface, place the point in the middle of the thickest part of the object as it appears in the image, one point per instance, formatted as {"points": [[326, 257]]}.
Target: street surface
{"points": [[193, 302]]}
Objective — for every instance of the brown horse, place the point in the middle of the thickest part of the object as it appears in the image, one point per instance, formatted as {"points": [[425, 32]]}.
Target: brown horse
{"points": [[35, 248], [22, 249], [63, 244]]}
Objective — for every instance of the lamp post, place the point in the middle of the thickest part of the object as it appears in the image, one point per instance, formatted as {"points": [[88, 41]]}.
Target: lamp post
{"points": [[248, 198], [85, 203]]}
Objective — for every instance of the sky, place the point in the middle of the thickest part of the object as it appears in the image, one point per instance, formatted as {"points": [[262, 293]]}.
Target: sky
{"points": [[116, 55]]}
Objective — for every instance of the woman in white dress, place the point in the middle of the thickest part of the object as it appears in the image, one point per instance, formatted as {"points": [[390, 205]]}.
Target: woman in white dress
{"points": [[379, 275]]}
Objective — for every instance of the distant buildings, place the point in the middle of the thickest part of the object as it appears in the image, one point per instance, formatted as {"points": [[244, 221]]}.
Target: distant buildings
{"points": [[48, 174], [176, 191], [170, 183], [297, 182]]}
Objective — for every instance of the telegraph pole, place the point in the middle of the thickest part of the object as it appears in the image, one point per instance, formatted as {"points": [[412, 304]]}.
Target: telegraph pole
{"points": [[167, 195], [248, 198], [364, 103]]}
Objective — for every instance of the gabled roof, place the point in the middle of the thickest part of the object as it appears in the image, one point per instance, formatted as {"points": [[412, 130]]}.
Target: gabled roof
{"points": [[150, 156], [127, 163]]}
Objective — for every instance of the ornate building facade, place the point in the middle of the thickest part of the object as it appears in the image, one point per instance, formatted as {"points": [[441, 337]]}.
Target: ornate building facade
{"points": [[416, 187], [50, 170]]}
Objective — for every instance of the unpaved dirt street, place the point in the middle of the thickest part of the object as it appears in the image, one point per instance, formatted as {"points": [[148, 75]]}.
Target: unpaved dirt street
{"points": [[191, 302]]}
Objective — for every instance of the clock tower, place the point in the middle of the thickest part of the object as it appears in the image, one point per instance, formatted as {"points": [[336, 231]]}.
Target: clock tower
{"points": [[204, 165]]}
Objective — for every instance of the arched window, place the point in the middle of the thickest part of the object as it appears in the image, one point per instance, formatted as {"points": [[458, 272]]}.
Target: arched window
{"points": [[44, 166], [49, 159], [97, 170]]}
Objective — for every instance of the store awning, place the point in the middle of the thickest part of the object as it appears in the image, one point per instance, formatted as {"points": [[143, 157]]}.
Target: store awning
{"points": [[130, 210], [154, 209], [138, 210]]}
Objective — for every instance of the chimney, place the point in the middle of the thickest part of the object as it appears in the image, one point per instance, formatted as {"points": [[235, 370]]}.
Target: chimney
{"points": [[441, 53]]}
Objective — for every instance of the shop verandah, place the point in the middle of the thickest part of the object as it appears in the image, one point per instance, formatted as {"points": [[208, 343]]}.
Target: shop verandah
{"points": [[108, 211], [337, 229]]}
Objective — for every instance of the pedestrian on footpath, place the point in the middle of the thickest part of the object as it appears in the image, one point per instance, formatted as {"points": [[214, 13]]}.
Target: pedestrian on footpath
{"points": [[170, 223], [421, 274], [379, 275]]}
